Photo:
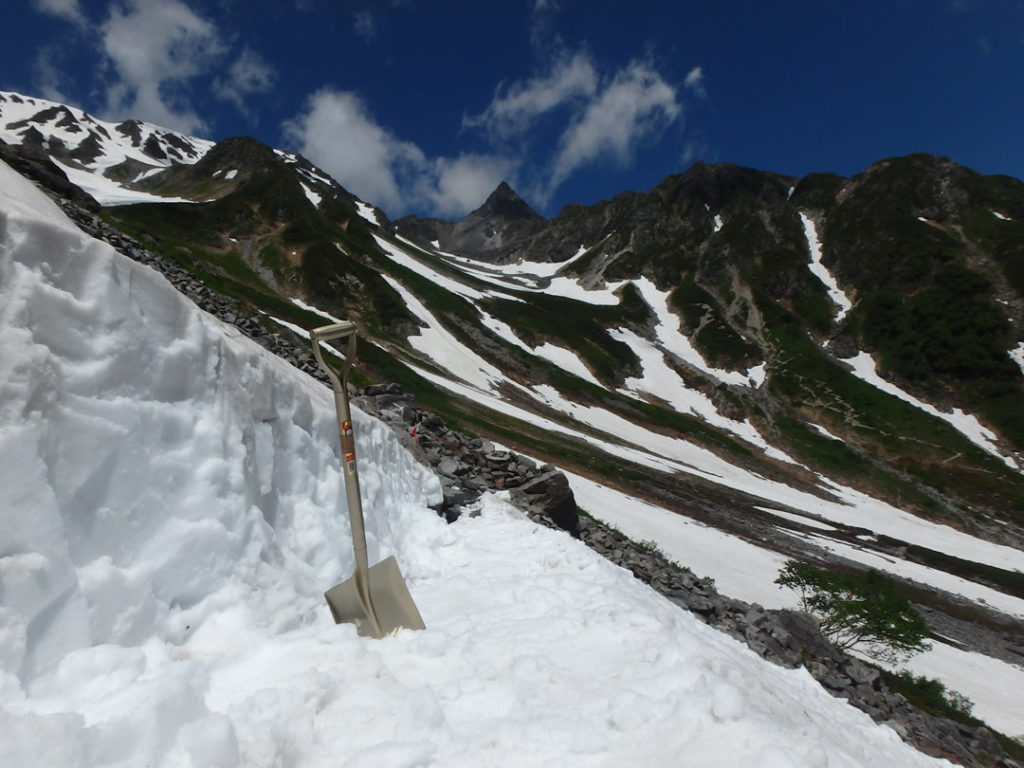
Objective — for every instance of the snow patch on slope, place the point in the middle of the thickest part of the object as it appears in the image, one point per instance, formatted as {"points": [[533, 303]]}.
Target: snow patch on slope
{"points": [[820, 271], [113, 145], [675, 341], [368, 212], [864, 367], [313, 197], [438, 344], [1017, 355], [401, 257], [565, 359], [108, 192], [747, 572]]}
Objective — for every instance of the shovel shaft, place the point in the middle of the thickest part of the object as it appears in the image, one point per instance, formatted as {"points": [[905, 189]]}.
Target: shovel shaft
{"points": [[376, 599], [339, 383]]}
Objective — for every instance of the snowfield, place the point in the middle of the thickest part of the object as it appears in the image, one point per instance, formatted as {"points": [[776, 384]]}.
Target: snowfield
{"points": [[172, 510], [113, 146]]}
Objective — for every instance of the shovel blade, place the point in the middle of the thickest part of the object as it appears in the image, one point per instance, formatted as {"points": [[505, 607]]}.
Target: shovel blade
{"points": [[385, 605]]}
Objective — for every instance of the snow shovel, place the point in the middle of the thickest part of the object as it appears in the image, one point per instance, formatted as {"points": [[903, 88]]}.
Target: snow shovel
{"points": [[376, 599]]}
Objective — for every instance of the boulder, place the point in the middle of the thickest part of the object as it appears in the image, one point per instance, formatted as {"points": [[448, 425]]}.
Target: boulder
{"points": [[549, 494]]}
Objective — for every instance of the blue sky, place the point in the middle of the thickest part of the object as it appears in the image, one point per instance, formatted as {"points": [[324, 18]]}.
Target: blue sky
{"points": [[424, 107]]}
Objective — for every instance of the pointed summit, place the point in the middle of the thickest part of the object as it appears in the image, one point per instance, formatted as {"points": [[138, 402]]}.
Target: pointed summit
{"points": [[486, 232], [503, 190], [505, 203]]}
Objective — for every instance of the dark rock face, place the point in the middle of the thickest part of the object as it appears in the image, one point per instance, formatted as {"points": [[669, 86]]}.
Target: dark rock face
{"points": [[131, 129], [551, 495], [32, 161]]}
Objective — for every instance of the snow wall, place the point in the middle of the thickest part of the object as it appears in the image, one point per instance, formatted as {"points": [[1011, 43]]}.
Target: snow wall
{"points": [[157, 466]]}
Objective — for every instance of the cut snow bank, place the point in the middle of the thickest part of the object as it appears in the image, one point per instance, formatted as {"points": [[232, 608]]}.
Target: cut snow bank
{"points": [[172, 509]]}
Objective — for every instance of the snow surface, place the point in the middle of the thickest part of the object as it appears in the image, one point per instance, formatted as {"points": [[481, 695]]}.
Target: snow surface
{"points": [[740, 569], [448, 283], [660, 380], [503, 330], [310, 308], [675, 341], [114, 146], [438, 344], [311, 195], [820, 271], [565, 359], [633, 443], [368, 212], [172, 509], [746, 572], [864, 366], [1017, 355], [109, 192], [976, 676]]}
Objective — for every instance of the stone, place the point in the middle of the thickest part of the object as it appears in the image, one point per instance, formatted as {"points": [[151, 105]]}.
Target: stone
{"points": [[447, 466], [550, 495]]}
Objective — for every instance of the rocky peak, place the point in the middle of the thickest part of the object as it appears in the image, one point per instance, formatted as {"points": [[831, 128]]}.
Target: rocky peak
{"points": [[503, 201], [487, 232]]}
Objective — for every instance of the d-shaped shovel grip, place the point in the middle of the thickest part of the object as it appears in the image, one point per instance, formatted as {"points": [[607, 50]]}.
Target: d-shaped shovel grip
{"points": [[346, 329]]}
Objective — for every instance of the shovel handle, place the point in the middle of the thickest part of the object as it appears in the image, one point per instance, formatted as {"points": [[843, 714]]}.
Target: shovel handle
{"points": [[334, 331], [346, 329], [348, 441]]}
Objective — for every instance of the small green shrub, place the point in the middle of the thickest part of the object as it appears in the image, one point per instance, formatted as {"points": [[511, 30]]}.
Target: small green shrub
{"points": [[862, 611]]}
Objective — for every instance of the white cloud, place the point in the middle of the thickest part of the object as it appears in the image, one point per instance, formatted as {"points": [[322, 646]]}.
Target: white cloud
{"points": [[637, 103], [68, 10], [514, 108], [695, 81], [455, 187], [249, 74], [598, 118], [154, 47], [338, 133]]}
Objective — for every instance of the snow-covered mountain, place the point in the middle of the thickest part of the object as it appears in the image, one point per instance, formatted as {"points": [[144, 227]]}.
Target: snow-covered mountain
{"points": [[172, 510], [738, 366], [105, 159]]}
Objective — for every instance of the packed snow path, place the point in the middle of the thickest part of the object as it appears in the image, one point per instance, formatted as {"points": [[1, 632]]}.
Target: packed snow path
{"points": [[171, 510]]}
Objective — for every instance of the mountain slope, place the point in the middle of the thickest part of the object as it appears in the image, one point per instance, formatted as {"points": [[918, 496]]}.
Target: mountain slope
{"points": [[162, 603]]}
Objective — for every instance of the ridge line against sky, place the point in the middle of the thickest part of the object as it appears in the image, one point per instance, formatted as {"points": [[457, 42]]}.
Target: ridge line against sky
{"points": [[425, 107]]}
